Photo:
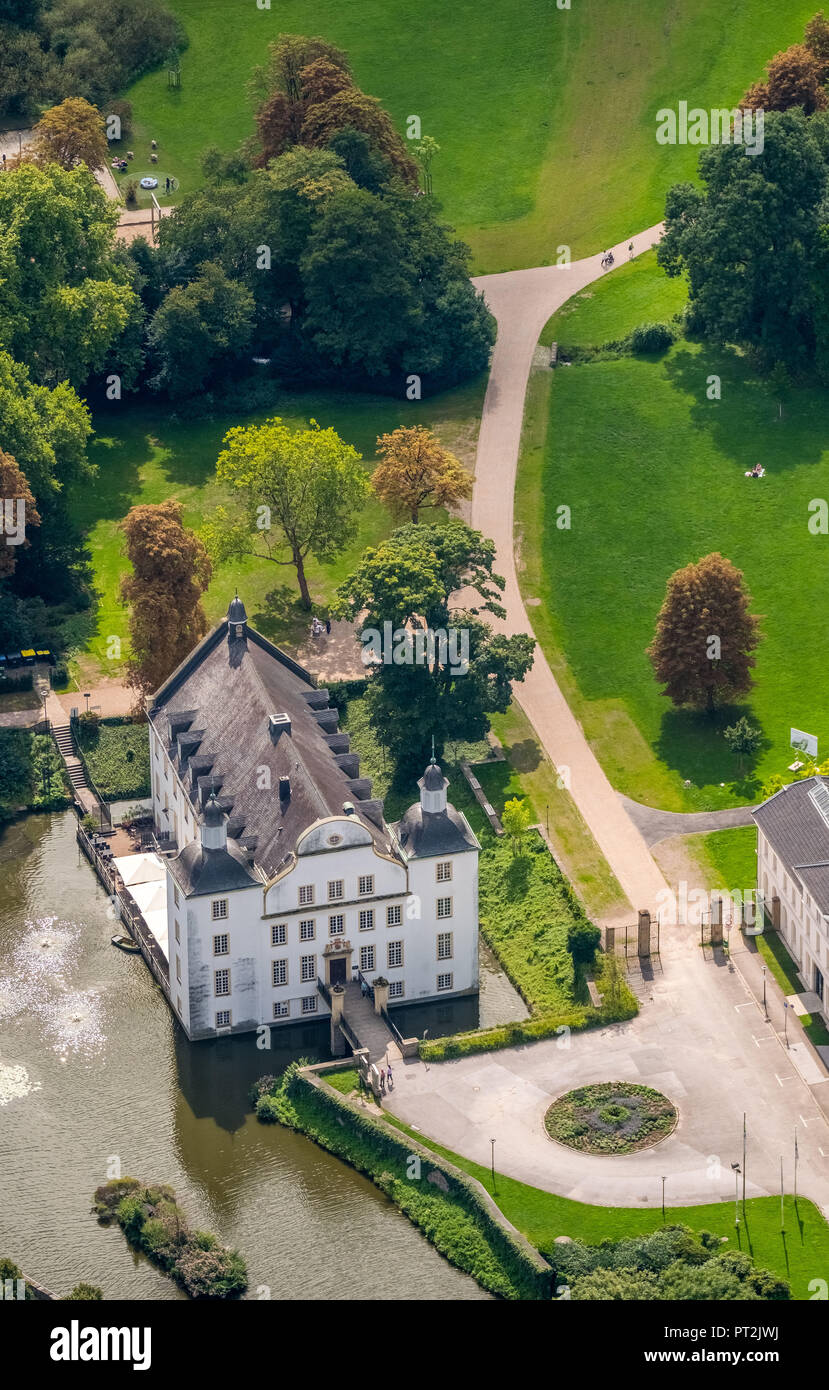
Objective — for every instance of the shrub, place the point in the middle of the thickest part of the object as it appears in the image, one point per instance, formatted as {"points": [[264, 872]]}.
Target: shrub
{"points": [[652, 337], [583, 941], [86, 1293], [211, 1273], [131, 193]]}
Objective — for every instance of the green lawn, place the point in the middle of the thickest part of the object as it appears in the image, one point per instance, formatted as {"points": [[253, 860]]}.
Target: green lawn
{"points": [[654, 475], [545, 117], [799, 1254], [634, 293], [117, 758], [730, 857], [146, 454], [783, 968]]}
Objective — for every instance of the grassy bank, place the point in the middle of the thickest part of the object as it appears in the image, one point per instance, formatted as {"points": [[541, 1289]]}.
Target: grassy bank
{"points": [[453, 1216], [600, 434], [798, 1254], [553, 141]]}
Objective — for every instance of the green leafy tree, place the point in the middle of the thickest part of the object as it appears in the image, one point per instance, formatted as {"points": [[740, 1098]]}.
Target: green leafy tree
{"points": [[67, 303], [583, 941], [703, 650], [199, 328], [26, 71], [408, 581], [299, 493], [417, 471], [69, 134], [425, 152], [749, 241], [744, 740], [516, 819], [88, 1293]]}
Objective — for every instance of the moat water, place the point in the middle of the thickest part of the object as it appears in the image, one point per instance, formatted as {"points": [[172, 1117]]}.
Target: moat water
{"points": [[93, 1069]]}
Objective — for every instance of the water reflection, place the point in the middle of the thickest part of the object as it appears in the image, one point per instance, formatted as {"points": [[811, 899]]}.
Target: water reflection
{"points": [[94, 1071]]}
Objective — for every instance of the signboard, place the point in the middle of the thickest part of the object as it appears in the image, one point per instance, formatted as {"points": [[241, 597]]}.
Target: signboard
{"points": [[805, 743]]}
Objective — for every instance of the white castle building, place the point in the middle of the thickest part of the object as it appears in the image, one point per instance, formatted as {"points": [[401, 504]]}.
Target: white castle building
{"points": [[283, 877]]}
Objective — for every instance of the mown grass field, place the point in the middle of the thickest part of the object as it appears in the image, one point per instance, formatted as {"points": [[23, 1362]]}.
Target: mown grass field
{"points": [[545, 117], [146, 454], [653, 472]]}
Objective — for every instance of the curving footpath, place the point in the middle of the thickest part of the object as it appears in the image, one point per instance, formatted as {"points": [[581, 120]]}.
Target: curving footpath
{"points": [[522, 301], [701, 1037]]}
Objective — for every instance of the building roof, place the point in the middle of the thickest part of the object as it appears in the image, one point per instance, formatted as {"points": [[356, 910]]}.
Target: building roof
{"points": [[433, 779], [799, 834], [422, 834], [215, 717], [198, 870], [236, 612]]}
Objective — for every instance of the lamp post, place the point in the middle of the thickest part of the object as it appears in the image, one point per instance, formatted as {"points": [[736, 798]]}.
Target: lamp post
{"points": [[736, 1168], [492, 1142], [547, 817], [663, 1199], [87, 694], [786, 1021]]}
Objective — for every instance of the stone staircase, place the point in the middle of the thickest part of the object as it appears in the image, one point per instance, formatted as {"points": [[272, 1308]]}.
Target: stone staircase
{"points": [[66, 747], [369, 1028], [65, 743]]}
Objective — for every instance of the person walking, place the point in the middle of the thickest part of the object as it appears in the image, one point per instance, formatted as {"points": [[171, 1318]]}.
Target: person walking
{"points": [[328, 626], [389, 1077], [630, 250], [382, 1082]]}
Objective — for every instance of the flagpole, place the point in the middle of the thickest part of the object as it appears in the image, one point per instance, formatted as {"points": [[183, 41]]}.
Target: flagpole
{"points": [[782, 1218], [744, 1163], [795, 1165]]}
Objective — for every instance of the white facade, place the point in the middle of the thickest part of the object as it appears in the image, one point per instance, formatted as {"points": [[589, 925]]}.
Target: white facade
{"points": [[249, 956], [793, 911]]}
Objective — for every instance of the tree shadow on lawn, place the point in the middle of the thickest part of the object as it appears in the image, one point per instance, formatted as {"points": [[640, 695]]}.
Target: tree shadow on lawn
{"points": [[745, 423], [524, 756], [691, 743]]}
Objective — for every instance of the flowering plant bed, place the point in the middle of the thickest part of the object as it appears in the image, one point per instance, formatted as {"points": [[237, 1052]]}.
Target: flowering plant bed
{"points": [[614, 1117]]}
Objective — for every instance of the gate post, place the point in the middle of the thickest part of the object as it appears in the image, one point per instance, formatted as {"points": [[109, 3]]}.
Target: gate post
{"points": [[609, 940], [716, 920], [644, 943]]}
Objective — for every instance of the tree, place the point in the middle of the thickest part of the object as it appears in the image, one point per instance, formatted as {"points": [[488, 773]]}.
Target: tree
{"points": [[17, 495], [322, 80], [816, 39], [67, 305], [416, 472], [299, 490], [425, 152], [86, 1293], [516, 819], [749, 241], [170, 572], [69, 134], [794, 78], [703, 650], [450, 692], [350, 108], [743, 739], [583, 941], [363, 163], [26, 71], [198, 328], [288, 56]]}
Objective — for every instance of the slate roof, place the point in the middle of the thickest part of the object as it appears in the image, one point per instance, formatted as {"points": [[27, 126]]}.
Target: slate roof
{"points": [[799, 835], [197, 870], [213, 716], [423, 834]]}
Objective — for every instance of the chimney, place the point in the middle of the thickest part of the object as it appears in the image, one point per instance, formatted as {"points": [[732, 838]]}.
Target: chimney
{"points": [[348, 808], [279, 724]]}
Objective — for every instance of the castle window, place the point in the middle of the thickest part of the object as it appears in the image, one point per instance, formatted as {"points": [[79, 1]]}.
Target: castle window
{"points": [[394, 916], [444, 945], [444, 907], [279, 934], [306, 894], [307, 929], [218, 909], [336, 924], [396, 989], [221, 944], [395, 954], [443, 871], [279, 970], [367, 958], [222, 981], [223, 1018], [309, 1004], [307, 968], [367, 919], [336, 890], [365, 885], [282, 1009], [444, 982]]}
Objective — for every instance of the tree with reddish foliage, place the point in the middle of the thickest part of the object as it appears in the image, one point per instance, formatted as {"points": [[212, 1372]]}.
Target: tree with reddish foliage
{"points": [[322, 80], [352, 109], [171, 571], [14, 490], [703, 650], [794, 78], [417, 471], [816, 39]]}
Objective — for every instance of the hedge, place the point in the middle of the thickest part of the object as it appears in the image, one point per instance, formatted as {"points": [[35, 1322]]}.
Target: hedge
{"points": [[451, 1209]]}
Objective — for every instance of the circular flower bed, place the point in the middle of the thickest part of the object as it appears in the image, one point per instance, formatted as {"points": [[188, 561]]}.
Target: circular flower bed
{"points": [[613, 1118]]}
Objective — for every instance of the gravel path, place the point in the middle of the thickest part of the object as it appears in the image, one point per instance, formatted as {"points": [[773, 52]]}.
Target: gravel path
{"points": [[522, 301]]}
